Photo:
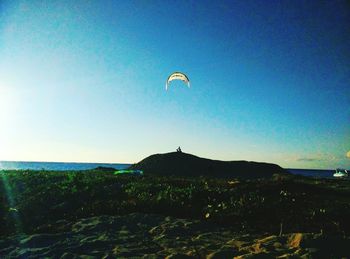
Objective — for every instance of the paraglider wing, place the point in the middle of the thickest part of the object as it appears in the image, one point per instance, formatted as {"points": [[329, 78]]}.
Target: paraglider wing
{"points": [[177, 76]]}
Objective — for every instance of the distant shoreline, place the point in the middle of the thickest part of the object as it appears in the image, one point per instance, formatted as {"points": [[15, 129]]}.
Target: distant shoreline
{"points": [[66, 166], [57, 166], [128, 164], [62, 162]]}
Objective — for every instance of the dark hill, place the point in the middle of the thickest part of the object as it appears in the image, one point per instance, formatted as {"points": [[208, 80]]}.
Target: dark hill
{"points": [[183, 164]]}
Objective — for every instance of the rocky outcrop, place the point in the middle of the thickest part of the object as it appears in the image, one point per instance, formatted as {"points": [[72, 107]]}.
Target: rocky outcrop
{"points": [[183, 164]]}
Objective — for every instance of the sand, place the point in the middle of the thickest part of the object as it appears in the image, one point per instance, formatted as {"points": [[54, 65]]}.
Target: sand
{"points": [[140, 235]]}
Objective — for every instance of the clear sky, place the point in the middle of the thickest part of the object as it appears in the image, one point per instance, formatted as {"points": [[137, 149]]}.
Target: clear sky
{"points": [[85, 80]]}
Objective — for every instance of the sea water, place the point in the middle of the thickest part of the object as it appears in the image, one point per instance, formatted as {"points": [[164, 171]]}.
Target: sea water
{"points": [[316, 173], [56, 166]]}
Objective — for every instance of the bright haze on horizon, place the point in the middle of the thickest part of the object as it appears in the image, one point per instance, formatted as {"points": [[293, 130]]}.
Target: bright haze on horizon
{"points": [[84, 81]]}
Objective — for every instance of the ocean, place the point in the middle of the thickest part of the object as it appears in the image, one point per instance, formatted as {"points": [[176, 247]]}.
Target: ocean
{"points": [[316, 173], [56, 166]]}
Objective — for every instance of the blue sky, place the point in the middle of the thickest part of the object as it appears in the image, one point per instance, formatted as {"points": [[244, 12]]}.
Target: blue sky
{"points": [[85, 80]]}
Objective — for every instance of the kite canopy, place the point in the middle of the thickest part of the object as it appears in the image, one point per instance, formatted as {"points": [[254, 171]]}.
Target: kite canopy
{"points": [[177, 76]]}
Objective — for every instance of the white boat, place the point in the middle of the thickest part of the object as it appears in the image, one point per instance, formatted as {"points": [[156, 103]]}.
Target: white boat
{"points": [[340, 173]]}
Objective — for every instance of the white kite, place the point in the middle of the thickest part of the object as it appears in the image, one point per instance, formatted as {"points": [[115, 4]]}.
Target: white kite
{"points": [[177, 76]]}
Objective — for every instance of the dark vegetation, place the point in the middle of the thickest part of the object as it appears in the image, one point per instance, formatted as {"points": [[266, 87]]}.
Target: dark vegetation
{"points": [[32, 201], [183, 164]]}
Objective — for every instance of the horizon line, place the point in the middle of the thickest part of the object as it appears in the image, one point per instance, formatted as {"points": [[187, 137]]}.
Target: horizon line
{"points": [[125, 163]]}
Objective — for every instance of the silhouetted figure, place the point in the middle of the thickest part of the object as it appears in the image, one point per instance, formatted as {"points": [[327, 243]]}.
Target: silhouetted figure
{"points": [[178, 149]]}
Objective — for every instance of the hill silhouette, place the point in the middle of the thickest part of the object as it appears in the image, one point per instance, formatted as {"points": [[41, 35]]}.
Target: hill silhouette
{"points": [[183, 164]]}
